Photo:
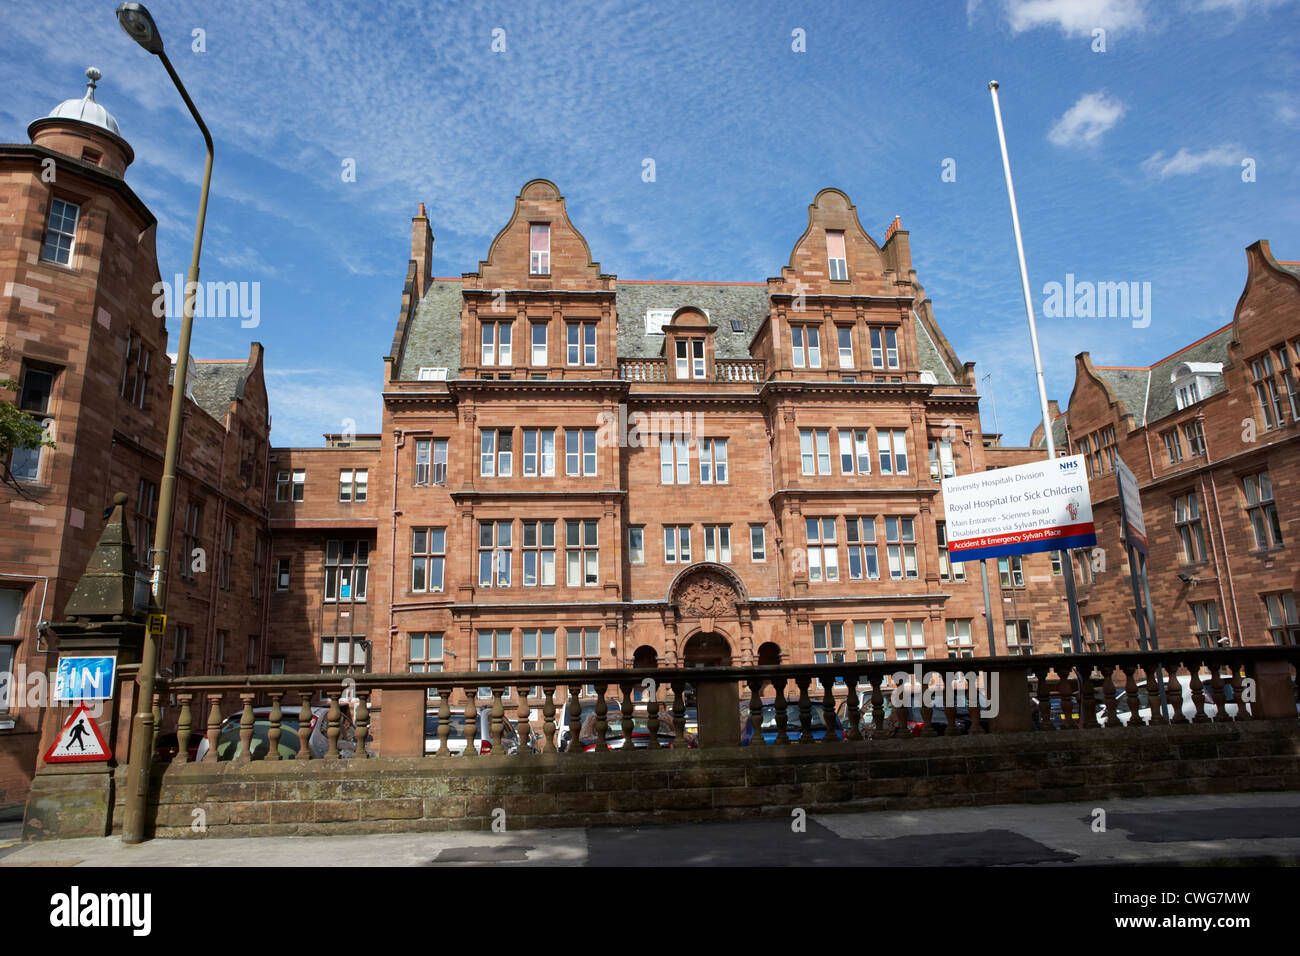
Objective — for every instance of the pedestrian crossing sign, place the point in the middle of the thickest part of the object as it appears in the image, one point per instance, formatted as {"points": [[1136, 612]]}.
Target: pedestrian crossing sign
{"points": [[79, 740]]}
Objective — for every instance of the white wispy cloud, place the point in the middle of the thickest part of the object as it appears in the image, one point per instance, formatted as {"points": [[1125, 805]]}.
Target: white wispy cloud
{"points": [[308, 403], [1084, 123], [1185, 162], [1077, 17]]}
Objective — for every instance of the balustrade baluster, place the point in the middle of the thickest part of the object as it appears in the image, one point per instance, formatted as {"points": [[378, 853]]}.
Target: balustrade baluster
{"points": [[780, 710], [497, 720], [805, 710], [679, 715], [1174, 692], [274, 731], [973, 704], [1155, 674], [362, 723], [1220, 698], [523, 718], [213, 729], [246, 722], [602, 713], [1065, 688], [444, 721], [928, 728], [184, 724], [1087, 697], [1197, 690], [333, 725], [828, 710], [851, 706], [1045, 685], [471, 721], [1108, 697], [1131, 697], [950, 709], [1239, 691], [755, 715], [625, 713], [652, 718], [548, 718], [304, 725], [575, 719], [877, 705]]}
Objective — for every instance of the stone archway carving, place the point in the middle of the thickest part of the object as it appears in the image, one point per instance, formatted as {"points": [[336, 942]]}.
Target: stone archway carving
{"points": [[707, 591]]}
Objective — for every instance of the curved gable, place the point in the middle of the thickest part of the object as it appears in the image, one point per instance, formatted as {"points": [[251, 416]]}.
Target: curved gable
{"points": [[833, 211], [507, 262]]}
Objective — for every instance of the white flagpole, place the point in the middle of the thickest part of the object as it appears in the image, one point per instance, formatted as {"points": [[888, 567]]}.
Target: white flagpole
{"points": [[1067, 560]]}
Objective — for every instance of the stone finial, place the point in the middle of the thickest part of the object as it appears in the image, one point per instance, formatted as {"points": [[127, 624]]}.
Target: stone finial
{"points": [[106, 588]]}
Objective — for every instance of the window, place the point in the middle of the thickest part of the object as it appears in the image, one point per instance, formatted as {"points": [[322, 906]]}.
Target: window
{"points": [[581, 343], [957, 572], [539, 554], [1094, 639], [1195, 439], [823, 553], [1270, 401], [538, 652], [539, 452], [844, 340], [344, 655], [1019, 643], [1289, 380], [495, 653], [219, 652], [1262, 511], [892, 446], [582, 554], [677, 544], [815, 450], [1187, 521], [713, 461], [884, 348], [860, 537], [869, 640], [11, 602], [496, 453], [190, 537], [61, 232], [1173, 446], [289, 485], [428, 553], [836, 261], [909, 640], [805, 341], [690, 358], [181, 655], [1083, 566], [1057, 568], [941, 463], [424, 655], [959, 638], [583, 647], [496, 343], [636, 545], [1206, 615], [440, 461], [423, 447], [1283, 626], [1099, 452], [346, 566], [855, 452], [352, 484], [1010, 572], [432, 374], [282, 574], [540, 356], [494, 551], [539, 249], [757, 542], [580, 451], [717, 543], [828, 642], [135, 370], [37, 387], [900, 542], [674, 460], [146, 512]]}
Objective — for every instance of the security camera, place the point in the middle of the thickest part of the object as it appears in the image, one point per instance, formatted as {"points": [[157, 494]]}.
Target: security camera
{"points": [[44, 628], [1225, 641]]}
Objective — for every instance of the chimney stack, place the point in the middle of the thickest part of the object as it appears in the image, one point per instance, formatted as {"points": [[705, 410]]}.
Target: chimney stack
{"points": [[422, 251]]}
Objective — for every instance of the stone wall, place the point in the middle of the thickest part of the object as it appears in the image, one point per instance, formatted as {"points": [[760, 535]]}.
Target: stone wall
{"points": [[557, 790]]}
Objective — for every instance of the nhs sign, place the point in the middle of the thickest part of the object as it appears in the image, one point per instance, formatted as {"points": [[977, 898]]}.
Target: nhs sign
{"points": [[84, 678]]}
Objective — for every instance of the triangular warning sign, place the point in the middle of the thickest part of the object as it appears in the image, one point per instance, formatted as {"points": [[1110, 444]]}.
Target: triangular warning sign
{"points": [[79, 740]]}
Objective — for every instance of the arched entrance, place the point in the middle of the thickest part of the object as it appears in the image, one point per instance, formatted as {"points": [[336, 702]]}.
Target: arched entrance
{"points": [[707, 649], [645, 656], [769, 653]]}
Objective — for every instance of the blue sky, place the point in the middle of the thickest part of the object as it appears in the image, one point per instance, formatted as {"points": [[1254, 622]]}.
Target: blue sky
{"points": [[1128, 162]]}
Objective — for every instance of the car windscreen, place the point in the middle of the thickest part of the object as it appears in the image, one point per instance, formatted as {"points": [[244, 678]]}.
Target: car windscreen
{"points": [[229, 746], [792, 717]]}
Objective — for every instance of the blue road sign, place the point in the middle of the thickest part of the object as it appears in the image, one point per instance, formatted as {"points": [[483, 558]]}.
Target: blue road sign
{"points": [[84, 678]]}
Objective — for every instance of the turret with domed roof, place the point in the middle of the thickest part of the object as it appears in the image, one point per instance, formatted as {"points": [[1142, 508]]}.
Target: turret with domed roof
{"points": [[83, 129]]}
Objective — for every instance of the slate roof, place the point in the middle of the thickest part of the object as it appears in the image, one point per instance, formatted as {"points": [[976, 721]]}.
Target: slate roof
{"points": [[216, 384], [1149, 394], [928, 354], [434, 337]]}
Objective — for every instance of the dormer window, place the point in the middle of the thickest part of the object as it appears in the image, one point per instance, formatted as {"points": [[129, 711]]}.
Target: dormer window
{"points": [[539, 249], [1194, 381], [836, 261], [690, 358]]}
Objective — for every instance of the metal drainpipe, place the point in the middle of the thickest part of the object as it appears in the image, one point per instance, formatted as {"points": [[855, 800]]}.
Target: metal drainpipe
{"points": [[1218, 520], [399, 442], [268, 569]]}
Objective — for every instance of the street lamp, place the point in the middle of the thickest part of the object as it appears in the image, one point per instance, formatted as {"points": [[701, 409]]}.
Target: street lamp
{"points": [[139, 26]]}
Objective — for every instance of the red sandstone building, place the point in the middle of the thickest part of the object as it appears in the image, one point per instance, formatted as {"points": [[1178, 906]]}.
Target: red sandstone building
{"points": [[578, 470]]}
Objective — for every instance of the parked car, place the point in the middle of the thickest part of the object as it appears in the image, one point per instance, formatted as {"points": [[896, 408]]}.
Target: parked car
{"points": [[168, 747], [614, 733], [1189, 706], [230, 746], [865, 715], [482, 739], [793, 726]]}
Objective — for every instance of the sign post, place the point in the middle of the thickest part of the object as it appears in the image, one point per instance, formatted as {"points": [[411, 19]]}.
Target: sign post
{"points": [[1135, 541]]}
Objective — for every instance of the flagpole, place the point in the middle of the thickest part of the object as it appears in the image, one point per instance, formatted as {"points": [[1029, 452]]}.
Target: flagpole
{"points": [[1067, 560]]}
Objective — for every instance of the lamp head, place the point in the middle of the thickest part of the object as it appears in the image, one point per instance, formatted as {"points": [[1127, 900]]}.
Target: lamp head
{"points": [[139, 25]]}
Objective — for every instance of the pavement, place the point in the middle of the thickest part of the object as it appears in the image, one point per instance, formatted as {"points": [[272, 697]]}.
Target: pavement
{"points": [[1230, 829]]}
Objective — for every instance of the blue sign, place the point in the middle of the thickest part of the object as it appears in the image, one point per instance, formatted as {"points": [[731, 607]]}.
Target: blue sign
{"points": [[84, 678]]}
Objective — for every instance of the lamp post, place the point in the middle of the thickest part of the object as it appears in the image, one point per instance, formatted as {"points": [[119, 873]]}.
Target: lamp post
{"points": [[139, 25]]}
